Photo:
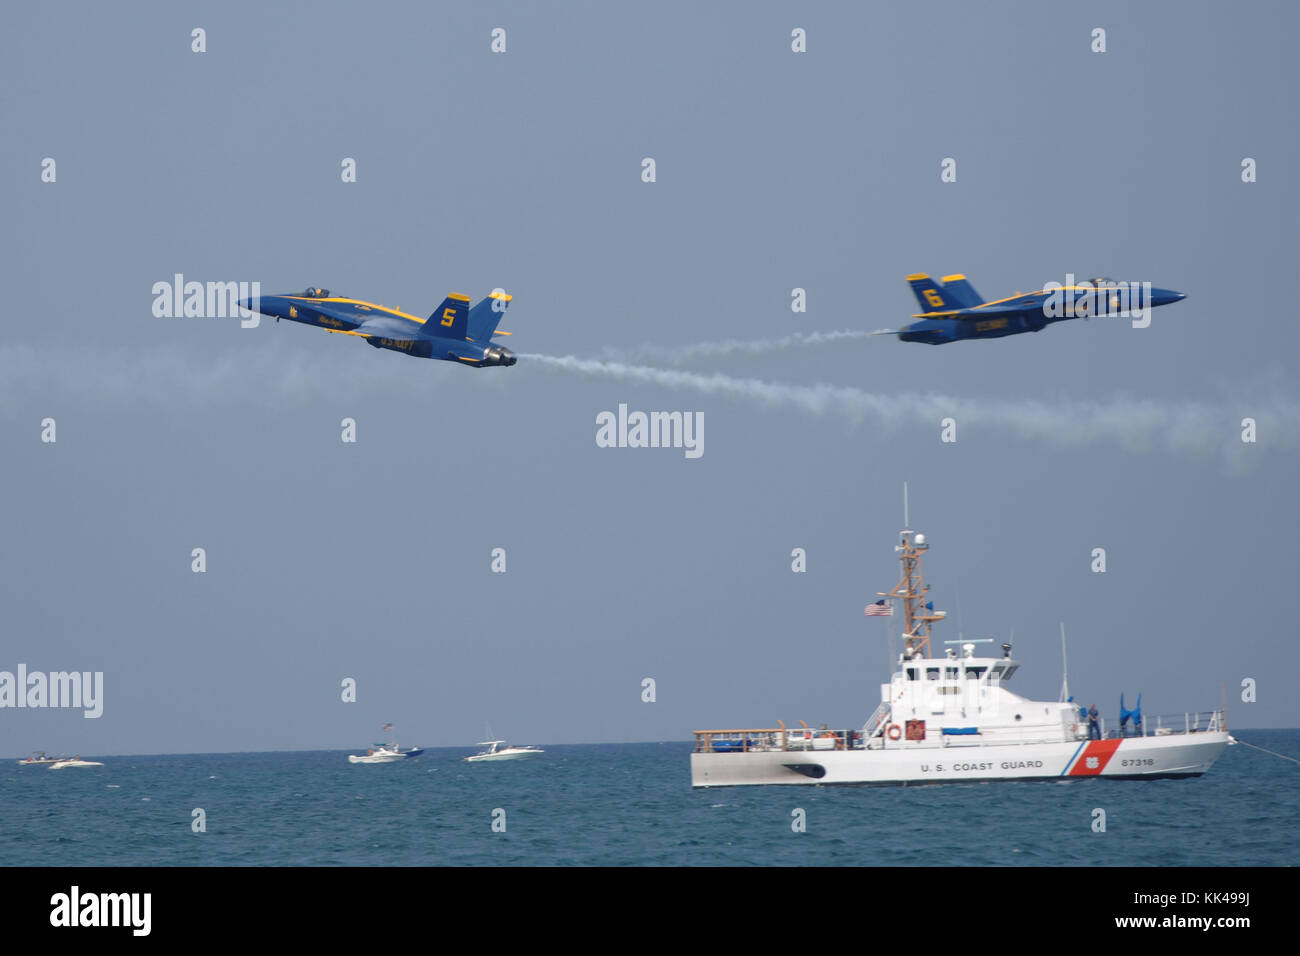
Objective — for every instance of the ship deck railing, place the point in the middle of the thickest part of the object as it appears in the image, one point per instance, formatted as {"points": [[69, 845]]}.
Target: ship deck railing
{"points": [[753, 739], [1163, 725], [750, 739], [745, 740]]}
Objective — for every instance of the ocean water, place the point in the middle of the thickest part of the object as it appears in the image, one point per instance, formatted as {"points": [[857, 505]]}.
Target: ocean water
{"points": [[628, 805]]}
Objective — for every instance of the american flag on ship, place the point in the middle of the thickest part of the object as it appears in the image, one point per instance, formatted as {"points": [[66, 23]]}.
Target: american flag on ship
{"points": [[879, 609]]}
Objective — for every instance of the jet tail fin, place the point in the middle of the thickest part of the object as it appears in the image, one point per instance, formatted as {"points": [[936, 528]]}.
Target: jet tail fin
{"points": [[932, 296], [962, 291], [451, 320], [483, 318]]}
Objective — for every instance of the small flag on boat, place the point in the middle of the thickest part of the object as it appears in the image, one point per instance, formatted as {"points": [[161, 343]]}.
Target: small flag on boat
{"points": [[879, 609]]}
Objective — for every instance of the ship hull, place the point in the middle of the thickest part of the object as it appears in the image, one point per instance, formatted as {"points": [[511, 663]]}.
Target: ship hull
{"points": [[1182, 755]]}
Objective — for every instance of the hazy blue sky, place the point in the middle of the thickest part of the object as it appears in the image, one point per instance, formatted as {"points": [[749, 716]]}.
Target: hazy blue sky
{"points": [[775, 170]]}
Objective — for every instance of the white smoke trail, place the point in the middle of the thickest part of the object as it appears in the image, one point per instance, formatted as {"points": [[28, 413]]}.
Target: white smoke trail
{"points": [[166, 375], [1140, 424], [684, 353]]}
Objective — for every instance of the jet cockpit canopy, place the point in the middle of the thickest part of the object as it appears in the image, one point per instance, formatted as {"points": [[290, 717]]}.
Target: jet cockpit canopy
{"points": [[315, 293]]}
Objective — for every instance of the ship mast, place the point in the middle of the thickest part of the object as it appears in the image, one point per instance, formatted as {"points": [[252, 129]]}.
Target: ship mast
{"points": [[918, 614]]}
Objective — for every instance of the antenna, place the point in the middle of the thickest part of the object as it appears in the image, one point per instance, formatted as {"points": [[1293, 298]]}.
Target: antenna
{"points": [[918, 613], [957, 592], [1065, 664]]}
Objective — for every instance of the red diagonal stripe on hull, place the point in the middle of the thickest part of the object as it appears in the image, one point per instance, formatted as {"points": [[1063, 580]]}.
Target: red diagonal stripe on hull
{"points": [[1100, 752]]}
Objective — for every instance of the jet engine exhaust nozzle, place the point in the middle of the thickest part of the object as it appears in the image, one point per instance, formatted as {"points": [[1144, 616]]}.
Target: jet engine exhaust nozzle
{"points": [[499, 356]]}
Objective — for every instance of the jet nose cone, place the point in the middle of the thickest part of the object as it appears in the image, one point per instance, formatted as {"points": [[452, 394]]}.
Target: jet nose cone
{"points": [[1166, 296], [252, 304]]}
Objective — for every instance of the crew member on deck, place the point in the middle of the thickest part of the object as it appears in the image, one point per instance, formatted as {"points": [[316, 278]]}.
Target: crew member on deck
{"points": [[1094, 728]]}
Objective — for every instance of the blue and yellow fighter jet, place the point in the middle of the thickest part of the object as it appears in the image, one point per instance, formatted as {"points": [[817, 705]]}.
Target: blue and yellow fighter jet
{"points": [[953, 310], [454, 332]]}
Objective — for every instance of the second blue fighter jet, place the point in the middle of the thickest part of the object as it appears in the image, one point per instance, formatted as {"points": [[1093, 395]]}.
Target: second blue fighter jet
{"points": [[454, 332], [953, 310]]}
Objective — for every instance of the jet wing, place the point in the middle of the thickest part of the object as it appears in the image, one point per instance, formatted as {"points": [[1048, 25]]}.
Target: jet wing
{"points": [[385, 331], [383, 327], [974, 313]]}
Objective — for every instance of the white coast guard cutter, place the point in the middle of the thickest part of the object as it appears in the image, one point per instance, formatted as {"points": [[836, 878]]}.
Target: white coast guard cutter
{"points": [[950, 718]]}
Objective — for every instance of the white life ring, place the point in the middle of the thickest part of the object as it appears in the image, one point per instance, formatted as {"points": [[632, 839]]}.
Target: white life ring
{"points": [[893, 732]]}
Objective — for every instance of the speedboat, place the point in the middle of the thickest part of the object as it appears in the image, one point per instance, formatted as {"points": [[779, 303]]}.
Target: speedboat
{"points": [[385, 753], [496, 750], [39, 758], [379, 754], [74, 762]]}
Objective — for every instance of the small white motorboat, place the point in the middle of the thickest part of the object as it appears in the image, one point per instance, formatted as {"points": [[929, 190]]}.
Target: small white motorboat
{"points": [[74, 762], [380, 753], [496, 750], [38, 759], [385, 753]]}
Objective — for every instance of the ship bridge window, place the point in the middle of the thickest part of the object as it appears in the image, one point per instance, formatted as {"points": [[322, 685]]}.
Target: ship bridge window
{"points": [[1011, 669], [932, 673], [996, 673], [976, 672], [950, 673], [911, 673]]}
